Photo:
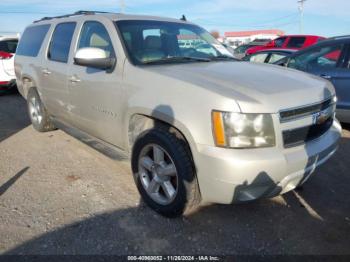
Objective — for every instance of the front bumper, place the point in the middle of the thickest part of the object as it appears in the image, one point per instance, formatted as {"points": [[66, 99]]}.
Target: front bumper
{"points": [[228, 176]]}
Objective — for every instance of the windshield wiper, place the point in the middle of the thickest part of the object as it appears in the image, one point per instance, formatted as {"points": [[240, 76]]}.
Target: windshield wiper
{"points": [[171, 59]]}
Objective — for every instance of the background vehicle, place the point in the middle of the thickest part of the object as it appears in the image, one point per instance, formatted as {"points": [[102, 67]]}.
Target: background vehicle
{"points": [[8, 47], [197, 124], [296, 42], [241, 50], [269, 56], [329, 59]]}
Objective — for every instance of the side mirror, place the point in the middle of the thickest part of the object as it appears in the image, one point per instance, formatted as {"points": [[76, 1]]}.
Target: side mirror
{"points": [[94, 57]]}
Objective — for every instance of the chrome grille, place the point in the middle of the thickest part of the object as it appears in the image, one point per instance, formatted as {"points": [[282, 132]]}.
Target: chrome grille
{"points": [[300, 112], [305, 134]]}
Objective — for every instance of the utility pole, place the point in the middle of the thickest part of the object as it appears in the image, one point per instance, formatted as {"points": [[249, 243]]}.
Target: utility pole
{"points": [[122, 6], [301, 11]]}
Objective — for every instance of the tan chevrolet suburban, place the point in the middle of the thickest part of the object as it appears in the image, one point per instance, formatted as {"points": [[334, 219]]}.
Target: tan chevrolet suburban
{"points": [[198, 125]]}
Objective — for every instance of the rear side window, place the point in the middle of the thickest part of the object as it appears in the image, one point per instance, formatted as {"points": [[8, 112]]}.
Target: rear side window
{"points": [[32, 40], [325, 57], [296, 42], [8, 46], [280, 41], [61, 42]]}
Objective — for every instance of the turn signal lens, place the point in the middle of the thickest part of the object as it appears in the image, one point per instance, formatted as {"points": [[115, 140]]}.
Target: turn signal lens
{"points": [[218, 128]]}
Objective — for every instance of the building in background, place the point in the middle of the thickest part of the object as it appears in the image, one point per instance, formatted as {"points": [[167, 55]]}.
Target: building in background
{"points": [[235, 39]]}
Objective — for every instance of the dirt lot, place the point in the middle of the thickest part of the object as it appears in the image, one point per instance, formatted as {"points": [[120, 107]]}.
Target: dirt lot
{"points": [[59, 196]]}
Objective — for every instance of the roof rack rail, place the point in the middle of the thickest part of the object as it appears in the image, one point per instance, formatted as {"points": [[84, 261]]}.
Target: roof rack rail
{"points": [[82, 12]]}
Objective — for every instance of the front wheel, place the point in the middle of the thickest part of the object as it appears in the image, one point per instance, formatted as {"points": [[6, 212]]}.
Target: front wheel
{"points": [[164, 173]]}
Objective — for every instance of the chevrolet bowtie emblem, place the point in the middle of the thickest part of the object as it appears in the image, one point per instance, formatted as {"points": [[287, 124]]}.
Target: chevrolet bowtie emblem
{"points": [[321, 117]]}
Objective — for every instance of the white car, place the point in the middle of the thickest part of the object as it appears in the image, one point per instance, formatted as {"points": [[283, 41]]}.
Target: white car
{"points": [[8, 46]]}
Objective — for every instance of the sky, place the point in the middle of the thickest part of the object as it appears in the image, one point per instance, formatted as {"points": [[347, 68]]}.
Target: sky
{"points": [[321, 17]]}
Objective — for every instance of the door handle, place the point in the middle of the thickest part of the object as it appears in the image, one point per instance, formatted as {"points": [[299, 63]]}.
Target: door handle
{"points": [[74, 79], [326, 76], [46, 72]]}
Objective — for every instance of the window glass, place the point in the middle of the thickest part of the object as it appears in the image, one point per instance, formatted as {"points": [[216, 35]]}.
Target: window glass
{"points": [[8, 46], [61, 42], [296, 42], [280, 41], [258, 58], [275, 57], [322, 57], [243, 48], [32, 40], [157, 41], [94, 34]]}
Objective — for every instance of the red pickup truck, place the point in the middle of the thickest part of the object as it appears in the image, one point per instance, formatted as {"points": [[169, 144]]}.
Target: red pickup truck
{"points": [[296, 42]]}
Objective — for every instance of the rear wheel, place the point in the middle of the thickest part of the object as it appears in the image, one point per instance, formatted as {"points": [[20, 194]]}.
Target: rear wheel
{"points": [[164, 173], [37, 112]]}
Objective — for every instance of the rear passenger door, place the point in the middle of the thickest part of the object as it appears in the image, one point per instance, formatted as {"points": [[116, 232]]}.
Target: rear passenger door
{"points": [[97, 95], [54, 69]]}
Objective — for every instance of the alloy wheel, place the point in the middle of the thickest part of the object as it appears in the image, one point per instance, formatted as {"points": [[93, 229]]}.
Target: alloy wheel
{"points": [[158, 174]]}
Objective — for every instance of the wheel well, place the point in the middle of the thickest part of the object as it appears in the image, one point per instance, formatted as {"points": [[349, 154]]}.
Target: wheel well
{"points": [[27, 83], [141, 123]]}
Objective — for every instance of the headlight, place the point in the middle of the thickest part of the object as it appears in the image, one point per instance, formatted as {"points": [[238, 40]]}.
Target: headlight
{"points": [[236, 130]]}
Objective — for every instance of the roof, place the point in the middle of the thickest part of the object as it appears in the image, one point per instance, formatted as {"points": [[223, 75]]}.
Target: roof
{"points": [[255, 32], [111, 16]]}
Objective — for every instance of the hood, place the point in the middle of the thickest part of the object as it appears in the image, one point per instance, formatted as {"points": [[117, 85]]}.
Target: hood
{"points": [[257, 88]]}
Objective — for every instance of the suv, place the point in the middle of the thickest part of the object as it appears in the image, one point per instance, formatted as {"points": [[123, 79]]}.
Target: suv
{"points": [[296, 42], [198, 125], [8, 45]]}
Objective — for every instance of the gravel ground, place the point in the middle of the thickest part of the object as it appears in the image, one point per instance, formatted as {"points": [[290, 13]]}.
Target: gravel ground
{"points": [[59, 196]]}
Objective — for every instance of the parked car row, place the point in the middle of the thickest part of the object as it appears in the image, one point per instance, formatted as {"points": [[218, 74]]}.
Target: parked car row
{"points": [[329, 59], [197, 124]]}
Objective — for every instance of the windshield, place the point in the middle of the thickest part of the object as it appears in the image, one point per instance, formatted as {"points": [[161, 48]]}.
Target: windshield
{"points": [[150, 42]]}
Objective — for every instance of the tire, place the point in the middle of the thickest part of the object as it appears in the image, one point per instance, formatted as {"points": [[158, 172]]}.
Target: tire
{"points": [[176, 167], [37, 112]]}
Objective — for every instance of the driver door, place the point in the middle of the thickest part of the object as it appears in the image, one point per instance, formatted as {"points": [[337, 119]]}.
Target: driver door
{"points": [[97, 95]]}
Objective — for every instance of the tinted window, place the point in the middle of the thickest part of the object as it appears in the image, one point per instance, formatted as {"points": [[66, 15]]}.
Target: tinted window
{"points": [[258, 58], [94, 34], [243, 48], [8, 46], [317, 58], [296, 42], [61, 42], [32, 40], [280, 41]]}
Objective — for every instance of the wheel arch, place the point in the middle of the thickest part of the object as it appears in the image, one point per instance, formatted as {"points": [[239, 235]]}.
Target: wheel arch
{"points": [[140, 122], [27, 83]]}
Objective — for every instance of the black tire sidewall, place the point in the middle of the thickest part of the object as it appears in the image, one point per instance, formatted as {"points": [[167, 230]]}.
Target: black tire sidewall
{"points": [[39, 127], [184, 167]]}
